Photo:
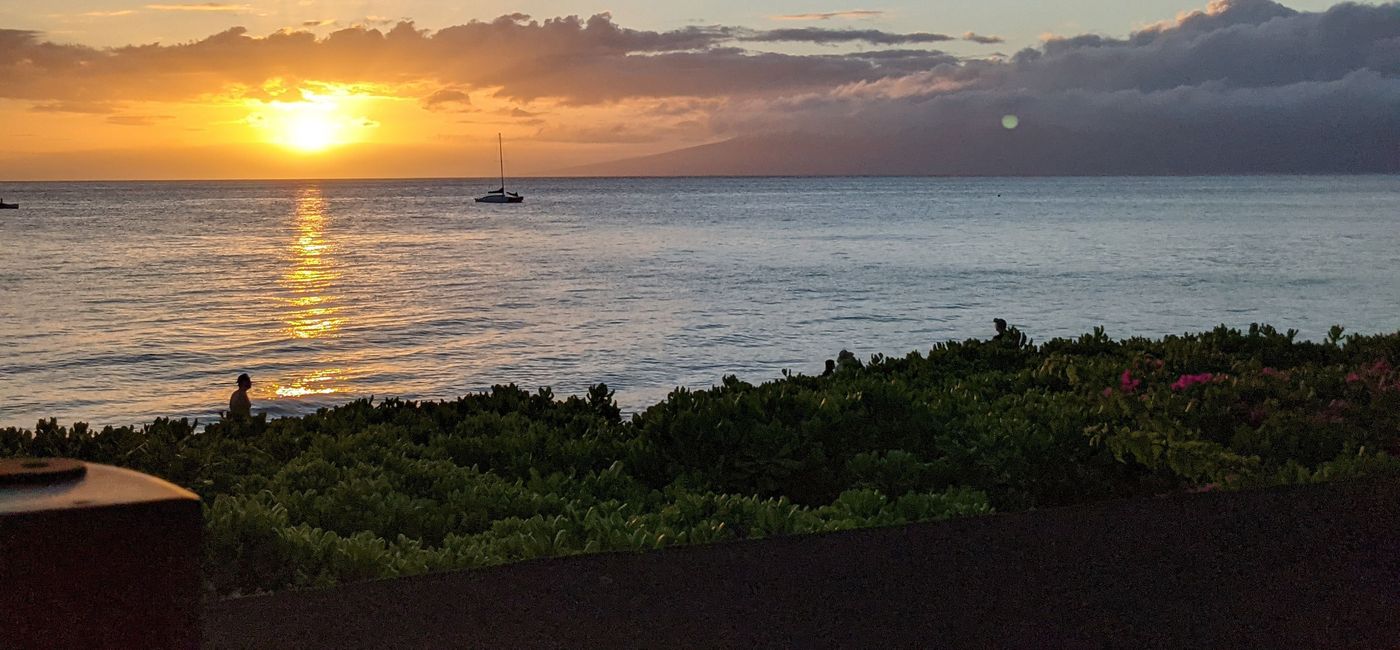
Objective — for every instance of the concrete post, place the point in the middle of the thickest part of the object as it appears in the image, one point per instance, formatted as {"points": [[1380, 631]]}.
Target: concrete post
{"points": [[94, 556]]}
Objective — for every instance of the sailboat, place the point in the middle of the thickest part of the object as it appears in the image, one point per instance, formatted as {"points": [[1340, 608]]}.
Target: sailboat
{"points": [[501, 195]]}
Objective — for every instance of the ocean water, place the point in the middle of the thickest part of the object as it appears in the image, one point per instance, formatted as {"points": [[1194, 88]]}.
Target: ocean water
{"points": [[122, 302]]}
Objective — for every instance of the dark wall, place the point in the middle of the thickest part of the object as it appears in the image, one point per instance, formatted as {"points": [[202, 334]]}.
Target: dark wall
{"points": [[1308, 567]]}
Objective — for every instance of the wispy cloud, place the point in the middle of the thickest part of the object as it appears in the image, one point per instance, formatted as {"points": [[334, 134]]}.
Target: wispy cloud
{"points": [[201, 6], [108, 14], [821, 35], [324, 22], [852, 14], [448, 99], [974, 37], [88, 107]]}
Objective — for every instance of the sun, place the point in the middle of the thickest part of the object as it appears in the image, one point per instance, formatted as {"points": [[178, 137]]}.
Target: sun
{"points": [[315, 123], [309, 126], [310, 132]]}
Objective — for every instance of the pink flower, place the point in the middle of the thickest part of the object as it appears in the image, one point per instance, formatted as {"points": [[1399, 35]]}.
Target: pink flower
{"points": [[1127, 383], [1353, 378], [1186, 381], [1108, 392]]}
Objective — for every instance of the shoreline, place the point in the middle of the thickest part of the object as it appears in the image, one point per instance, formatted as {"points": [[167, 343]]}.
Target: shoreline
{"points": [[969, 428], [642, 405]]}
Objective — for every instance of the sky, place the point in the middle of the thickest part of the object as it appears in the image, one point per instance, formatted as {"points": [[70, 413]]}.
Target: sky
{"points": [[113, 89]]}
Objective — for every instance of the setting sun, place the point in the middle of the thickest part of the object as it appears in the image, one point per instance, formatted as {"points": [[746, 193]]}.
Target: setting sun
{"points": [[309, 132], [308, 126], [315, 123]]}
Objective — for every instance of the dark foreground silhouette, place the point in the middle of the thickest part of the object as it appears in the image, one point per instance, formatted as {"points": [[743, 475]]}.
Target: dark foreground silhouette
{"points": [[1305, 567]]}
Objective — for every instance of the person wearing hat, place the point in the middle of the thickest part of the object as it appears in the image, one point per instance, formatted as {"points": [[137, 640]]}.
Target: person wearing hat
{"points": [[239, 406]]}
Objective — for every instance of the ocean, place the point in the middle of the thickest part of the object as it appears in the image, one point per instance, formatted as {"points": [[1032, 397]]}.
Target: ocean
{"points": [[123, 302]]}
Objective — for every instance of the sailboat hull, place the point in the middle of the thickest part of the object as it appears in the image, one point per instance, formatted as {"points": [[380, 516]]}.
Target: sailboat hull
{"points": [[501, 195]]}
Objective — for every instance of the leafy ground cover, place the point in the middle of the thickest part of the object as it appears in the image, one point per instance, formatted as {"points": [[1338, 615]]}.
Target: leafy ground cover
{"points": [[379, 489]]}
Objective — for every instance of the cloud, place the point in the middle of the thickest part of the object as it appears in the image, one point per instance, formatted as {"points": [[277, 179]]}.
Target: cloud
{"points": [[202, 6], [324, 22], [578, 61], [820, 35], [974, 37], [1245, 86], [828, 15], [448, 99], [108, 14], [1241, 85], [95, 108], [897, 64], [381, 21]]}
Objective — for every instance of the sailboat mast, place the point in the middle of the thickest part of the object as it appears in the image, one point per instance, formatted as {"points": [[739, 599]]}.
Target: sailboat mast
{"points": [[501, 155]]}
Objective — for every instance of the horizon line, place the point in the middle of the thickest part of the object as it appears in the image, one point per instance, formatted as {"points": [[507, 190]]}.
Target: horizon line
{"points": [[680, 176]]}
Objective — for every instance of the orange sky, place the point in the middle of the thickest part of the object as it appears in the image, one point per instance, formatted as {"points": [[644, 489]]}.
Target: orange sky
{"points": [[362, 101], [382, 97], [314, 129]]}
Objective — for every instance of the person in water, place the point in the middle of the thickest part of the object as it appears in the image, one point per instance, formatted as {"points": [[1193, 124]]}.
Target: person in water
{"points": [[239, 406]]}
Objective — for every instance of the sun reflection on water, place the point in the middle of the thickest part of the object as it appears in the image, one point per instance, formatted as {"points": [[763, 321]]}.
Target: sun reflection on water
{"points": [[312, 309], [314, 383]]}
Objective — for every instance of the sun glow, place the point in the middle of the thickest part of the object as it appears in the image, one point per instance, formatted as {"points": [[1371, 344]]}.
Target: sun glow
{"points": [[310, 132], [317, 122], [310, 126]]}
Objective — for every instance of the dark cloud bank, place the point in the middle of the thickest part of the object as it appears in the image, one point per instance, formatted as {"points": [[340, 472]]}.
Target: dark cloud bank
{"points": [[579, 61], [1245, 86]]}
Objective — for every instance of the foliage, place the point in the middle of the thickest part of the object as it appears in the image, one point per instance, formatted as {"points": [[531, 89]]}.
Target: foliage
{"points": [[369, 490]]}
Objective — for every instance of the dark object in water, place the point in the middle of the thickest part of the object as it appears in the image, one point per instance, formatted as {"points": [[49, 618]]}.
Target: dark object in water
{"points": [[8, 206], [501, 195]]}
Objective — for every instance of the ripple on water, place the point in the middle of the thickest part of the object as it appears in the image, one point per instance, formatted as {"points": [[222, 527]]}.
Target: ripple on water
{"points": [[120, 316]]}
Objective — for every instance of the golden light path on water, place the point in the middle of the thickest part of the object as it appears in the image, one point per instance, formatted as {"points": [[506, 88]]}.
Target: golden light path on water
{"points": [[311, 310], [124, 302]]}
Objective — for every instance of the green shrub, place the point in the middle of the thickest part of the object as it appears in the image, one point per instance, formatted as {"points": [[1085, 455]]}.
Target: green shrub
{"points": [[371, 490]]}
